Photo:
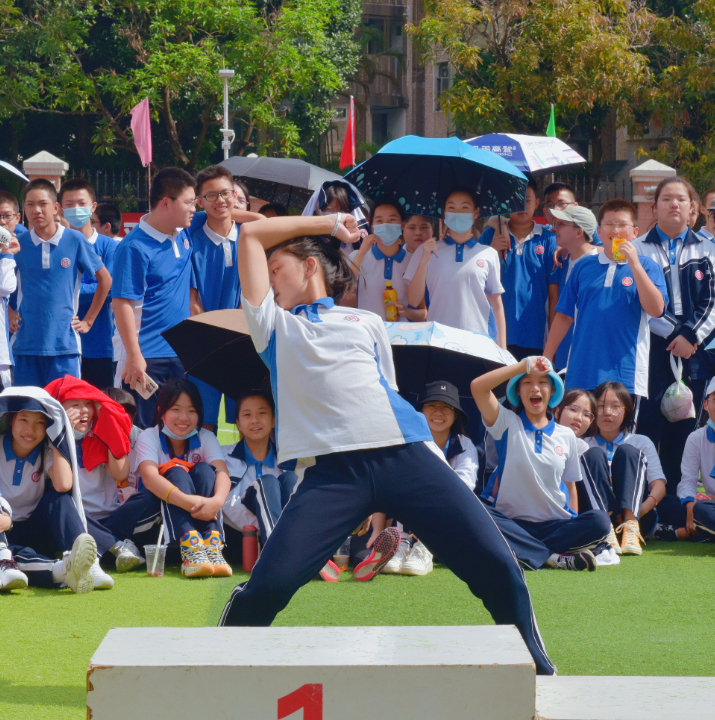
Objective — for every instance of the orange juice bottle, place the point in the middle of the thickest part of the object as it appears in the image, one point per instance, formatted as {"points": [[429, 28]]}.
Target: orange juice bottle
{"points": [[390, 295], [617, 253]]}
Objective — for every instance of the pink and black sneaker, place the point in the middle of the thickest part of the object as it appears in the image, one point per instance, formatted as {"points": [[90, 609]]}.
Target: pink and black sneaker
{"points": [[330, 572], [385, 546]]}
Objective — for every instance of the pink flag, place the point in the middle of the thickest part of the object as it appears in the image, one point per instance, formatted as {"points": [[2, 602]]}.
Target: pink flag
{"points": [[141, 127]]}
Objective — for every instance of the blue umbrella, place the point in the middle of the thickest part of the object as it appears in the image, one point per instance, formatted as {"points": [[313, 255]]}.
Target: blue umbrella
{"points": [[419, 172]]}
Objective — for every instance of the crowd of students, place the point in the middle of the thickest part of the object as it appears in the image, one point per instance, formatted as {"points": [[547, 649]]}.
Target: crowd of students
{"points": [[574, 467]]}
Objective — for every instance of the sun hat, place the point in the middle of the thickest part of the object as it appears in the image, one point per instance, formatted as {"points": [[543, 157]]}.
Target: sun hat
{"points": [[580, 216], [556, 397], [442, 391]]}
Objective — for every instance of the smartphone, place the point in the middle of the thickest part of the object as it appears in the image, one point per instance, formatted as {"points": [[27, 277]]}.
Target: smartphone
{"points": [[151, 387]]}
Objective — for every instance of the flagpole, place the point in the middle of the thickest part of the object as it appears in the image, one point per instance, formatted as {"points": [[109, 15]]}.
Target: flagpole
{"points": [[228, 135]]}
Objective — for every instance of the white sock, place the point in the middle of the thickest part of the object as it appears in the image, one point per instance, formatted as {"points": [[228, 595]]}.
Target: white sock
{"points": [[551, 562], [58, 572], [5, 553]]}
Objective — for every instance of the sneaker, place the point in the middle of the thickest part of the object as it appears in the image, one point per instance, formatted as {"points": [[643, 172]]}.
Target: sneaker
{"points": [[102, 581], [194, 560], [11, 577], [384, 548], [213, 547], [128, 556], [77, 565], [393, 567], [631, 536], [612, 540], [418, 562], [664, 532], [330, 572], [583, 560]]}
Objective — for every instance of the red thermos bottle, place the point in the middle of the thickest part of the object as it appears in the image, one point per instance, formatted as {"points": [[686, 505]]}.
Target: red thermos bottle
{"points": [[250, 547]]}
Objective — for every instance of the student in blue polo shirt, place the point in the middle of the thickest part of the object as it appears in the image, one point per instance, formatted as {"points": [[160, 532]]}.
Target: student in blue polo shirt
{"points": [[152, 280], [531, 283], [531, 490], [78, 201], [50, 265], [609, 303], [360, 448], [10, 220], [214, 236]]}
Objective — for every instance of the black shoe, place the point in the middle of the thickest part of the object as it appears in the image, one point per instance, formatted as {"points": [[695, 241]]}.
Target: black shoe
{"points": [[665, 532], [583, 560]]}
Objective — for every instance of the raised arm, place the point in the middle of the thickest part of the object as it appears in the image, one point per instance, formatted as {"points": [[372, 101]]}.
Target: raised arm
{"points": [[558, 331]]}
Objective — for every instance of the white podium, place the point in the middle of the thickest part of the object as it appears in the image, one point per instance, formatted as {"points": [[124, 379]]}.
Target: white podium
{"points": [[313, 673]]}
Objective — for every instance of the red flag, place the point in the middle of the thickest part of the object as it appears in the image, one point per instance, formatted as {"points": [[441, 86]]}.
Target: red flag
{"points": [[347, 156], [141, 127]]}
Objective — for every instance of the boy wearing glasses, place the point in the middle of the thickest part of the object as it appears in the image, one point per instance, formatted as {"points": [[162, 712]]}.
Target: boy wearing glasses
{"points": [[152, 278], [609, 302], [559, 196]]}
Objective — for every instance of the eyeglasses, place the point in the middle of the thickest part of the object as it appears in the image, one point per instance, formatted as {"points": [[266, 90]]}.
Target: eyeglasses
{"points": [[441, 408], [189, 204], [576, 410], [559, 224], [212, 197], [559, 206], [615, 409], [8, 218], [615, 226], [241, 201]]}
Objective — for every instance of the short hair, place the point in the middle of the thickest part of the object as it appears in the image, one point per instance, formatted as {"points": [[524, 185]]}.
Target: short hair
{"points": [[240, 184], [74, 184], [40, 184], [212, 172], [279, 209], [618, 205], [124, 398], [570, 397], [624, 397], [169, 182], [531, 183], [711, 191], [391, 204], [109, 213], [173, 389], [255, 393], [7, 198], [558, 186], [473, 194]]}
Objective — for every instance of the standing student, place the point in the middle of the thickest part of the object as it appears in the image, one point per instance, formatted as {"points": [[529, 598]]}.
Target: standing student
{"points": [[152, 280], [530, 491], [559, 196], [214, 264], [360, 447], [531, 283], [50, 267], [9, 219], [78, 202], [107, 220], [609, 303], [415, 230], [381, 259], [708, 229], [688, 263], [460, 275]]}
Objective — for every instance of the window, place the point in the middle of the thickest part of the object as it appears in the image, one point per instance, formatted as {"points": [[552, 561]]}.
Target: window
{"points": [[442, 82]]}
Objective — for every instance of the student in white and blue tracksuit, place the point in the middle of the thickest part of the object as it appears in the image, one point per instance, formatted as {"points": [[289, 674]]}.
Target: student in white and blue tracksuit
{"points": [[360, 448], [528, 491]]}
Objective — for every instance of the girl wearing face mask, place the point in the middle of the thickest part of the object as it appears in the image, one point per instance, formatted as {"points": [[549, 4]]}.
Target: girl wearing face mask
{"points": [[461, 276], [185, 468], [382, 259]]}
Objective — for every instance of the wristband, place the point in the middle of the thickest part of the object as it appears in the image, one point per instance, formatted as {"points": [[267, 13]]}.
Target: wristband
{"points": [[338, 218], [166, 499], [528, 365]]}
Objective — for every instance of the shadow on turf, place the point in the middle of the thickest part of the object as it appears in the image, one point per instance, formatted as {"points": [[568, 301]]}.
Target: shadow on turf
{"points": [[46, 695]]}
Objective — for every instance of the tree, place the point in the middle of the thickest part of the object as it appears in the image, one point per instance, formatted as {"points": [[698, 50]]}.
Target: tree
{"points": [[513, 58], [98, 59]]}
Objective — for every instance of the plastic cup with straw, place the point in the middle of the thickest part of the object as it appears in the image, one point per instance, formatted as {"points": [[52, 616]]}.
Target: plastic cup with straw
{"points": [[159, 549]]}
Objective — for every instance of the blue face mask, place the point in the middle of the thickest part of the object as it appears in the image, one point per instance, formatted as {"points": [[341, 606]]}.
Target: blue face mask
{"points": [[711, 424], [174, 436], [78, 217], [389, 233], [458, 222], [80, 435]]}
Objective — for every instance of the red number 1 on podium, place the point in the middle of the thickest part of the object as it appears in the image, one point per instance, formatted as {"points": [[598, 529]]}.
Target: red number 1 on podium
{"points": [[308, 697]]}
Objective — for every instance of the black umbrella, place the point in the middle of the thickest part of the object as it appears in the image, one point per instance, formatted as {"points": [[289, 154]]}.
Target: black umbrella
{"points": [[215, 347]]}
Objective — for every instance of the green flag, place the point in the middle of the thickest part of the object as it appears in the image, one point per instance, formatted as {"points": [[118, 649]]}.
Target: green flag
{"points": [[551, 129]]}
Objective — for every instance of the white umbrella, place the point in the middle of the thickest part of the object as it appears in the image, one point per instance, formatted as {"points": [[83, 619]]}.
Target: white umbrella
{"points": [[13, 170]]}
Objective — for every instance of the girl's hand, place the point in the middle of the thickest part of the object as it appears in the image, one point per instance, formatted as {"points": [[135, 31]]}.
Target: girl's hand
{"points": [[13, 248], [365, 526], [690, 522], [15, 320], [396, 303], [73, 415], [501, 241], [429, 247], [348, 231], [680, 347], [373, 537], [206, 509], [5, 521], [540, 365]]}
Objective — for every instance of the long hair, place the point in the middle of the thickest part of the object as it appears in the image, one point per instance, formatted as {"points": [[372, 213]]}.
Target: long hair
{"points": [[624, 397], [570, 397], [170, 393]]}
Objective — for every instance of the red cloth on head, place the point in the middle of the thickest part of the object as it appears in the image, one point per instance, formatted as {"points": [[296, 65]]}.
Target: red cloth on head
{"points": [[110, 430]]}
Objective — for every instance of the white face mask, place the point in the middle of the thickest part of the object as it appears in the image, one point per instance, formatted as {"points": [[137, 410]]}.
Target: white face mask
{"points": [[389, 233], [458, 222]]}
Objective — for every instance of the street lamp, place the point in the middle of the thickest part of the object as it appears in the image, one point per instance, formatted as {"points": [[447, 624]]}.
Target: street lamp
{"points": [[228, 135]]}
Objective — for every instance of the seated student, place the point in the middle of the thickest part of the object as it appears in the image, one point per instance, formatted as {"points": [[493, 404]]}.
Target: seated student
{"points": [[460, 275], [182, 464], [381, 260], [529, 499], [46, 516], [11, 577], [415, 230], [126, 489], [609, 299], [626, 478], [270, 210], [559, 196], [692, 516], [101, 431], [531, 283]]}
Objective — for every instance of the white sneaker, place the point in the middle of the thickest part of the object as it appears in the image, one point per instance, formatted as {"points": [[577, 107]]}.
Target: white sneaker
{"points": [[11, 577], [128, 556], [77, 564], [102, 581], [394, 565], [418, 562]]}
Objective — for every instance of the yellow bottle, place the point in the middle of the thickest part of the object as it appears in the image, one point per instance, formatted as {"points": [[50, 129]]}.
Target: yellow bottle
{"points": [[390, 295], [617, 253]]}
